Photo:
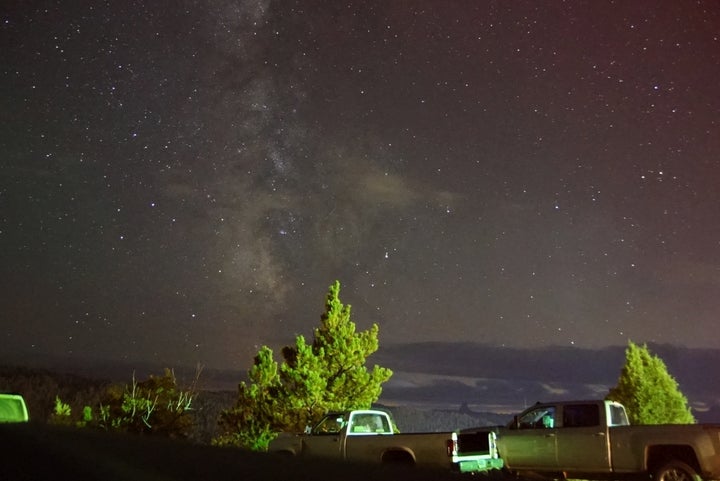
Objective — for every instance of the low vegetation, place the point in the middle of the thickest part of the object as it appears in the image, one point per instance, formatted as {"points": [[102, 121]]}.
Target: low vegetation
{"points": [[155, 406], [37, 386]]}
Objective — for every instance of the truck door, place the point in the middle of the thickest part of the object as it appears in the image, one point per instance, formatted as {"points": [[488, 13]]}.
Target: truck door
{"points": [[530, 443], [582, 440], [326, 438], [361, 443]]}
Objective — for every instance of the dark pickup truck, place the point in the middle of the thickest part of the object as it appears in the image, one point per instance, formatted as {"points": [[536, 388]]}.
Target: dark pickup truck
{"points": [[594, 440]]}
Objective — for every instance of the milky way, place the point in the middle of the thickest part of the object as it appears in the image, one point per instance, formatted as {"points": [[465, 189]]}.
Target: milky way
{"points": [[182, 182]]}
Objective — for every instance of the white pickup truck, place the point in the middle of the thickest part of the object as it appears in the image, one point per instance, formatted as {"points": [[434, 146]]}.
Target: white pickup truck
{"points": [[369, 436], [593, 440]]}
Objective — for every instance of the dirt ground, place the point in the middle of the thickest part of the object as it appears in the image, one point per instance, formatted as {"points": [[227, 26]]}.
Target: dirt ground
{"points": [[38, 452]]}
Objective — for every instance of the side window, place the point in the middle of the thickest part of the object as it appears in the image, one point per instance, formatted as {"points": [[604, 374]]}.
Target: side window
{"points": [[581, 415], [618, 417], [541, 418], [330, 425]]}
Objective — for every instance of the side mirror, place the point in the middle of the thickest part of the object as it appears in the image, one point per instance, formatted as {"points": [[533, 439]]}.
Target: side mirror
{"points": [[308, 429]]}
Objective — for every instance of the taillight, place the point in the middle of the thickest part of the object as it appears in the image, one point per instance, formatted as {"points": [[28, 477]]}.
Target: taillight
{"points": [[452, 445]]}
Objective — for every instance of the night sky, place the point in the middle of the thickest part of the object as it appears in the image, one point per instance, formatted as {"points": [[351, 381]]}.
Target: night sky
{"points": [[182, 181]]}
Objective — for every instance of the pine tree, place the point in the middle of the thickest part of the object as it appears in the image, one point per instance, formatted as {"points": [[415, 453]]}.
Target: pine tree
{"points": [[648, 391], [250, 423], [328, 374]]}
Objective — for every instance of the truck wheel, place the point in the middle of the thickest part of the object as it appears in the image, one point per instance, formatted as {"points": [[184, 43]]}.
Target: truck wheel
{"points": [[676, 471]]}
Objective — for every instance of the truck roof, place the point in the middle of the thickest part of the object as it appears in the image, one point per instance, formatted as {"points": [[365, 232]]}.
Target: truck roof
{"points": [[350, 411], [574, 401]]}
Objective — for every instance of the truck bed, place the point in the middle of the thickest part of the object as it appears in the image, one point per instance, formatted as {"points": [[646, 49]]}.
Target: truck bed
{"points": [[423, 449]]}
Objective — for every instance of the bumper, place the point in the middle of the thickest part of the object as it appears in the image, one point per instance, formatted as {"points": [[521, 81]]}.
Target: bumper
{"points": [[475, 465]]}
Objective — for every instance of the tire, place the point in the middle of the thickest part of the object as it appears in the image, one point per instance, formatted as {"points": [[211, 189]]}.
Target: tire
{"points": [[676, 471]]}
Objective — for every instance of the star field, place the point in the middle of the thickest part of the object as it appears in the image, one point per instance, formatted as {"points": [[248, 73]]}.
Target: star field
{"points": [[182, 183]]}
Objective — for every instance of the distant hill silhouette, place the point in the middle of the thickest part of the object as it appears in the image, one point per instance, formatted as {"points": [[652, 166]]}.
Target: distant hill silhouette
{"points": [[492, 378], [482, 378]]}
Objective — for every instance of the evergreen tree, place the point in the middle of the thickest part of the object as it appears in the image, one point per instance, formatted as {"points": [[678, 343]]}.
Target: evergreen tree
{"points": [[328, 374], [648, 392], [250, 423]]}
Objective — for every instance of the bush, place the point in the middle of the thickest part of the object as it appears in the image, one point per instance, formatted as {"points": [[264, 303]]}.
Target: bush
{"points": [[155, 406]]}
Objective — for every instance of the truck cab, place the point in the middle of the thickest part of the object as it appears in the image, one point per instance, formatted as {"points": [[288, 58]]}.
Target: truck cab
{"points": [[355, 423], [571, 435], [329, 437]]}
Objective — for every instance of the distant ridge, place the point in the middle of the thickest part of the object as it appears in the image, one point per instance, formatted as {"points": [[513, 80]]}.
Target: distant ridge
{"points": [[483, 378], [494, 378], [562, 364], [113, 370]]}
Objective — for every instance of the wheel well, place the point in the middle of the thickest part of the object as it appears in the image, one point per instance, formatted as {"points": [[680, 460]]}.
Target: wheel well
{"points": [[285, 453], [659, 455], [398, 456]]}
